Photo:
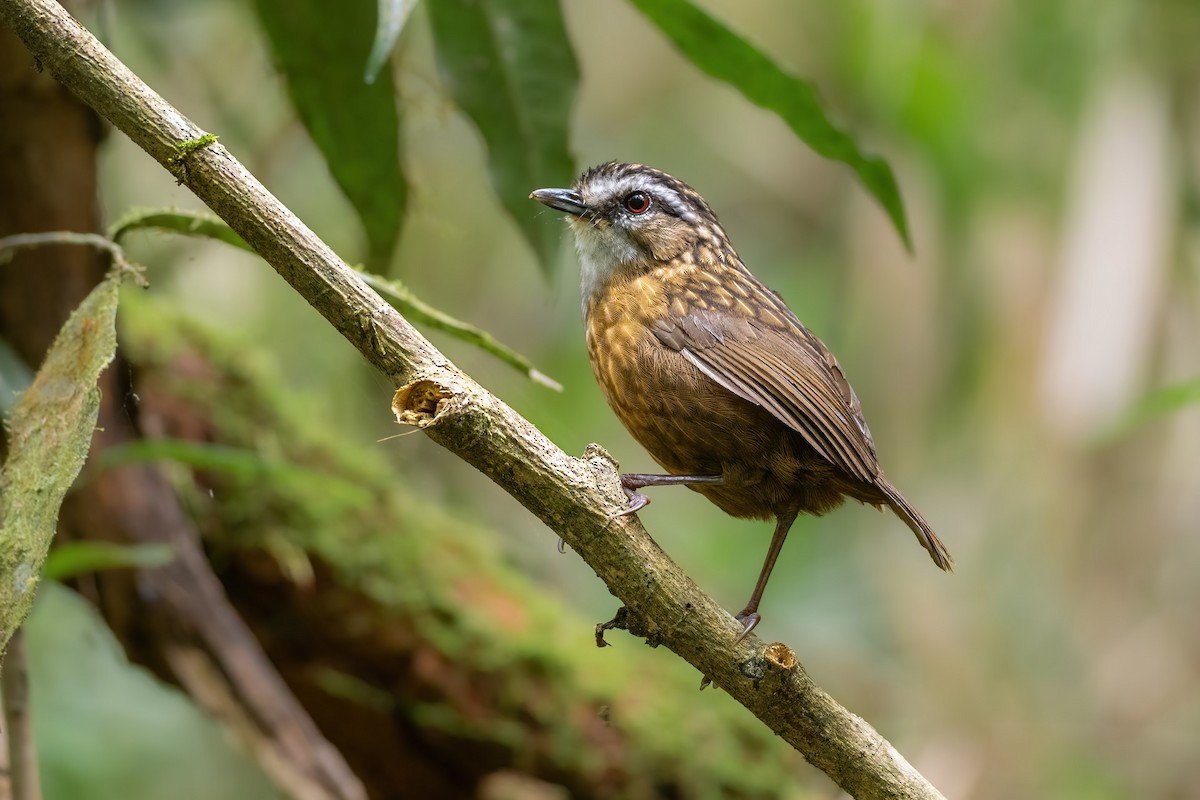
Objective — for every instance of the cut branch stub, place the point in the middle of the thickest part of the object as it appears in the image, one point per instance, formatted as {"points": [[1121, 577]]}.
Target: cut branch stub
{"points": [[775, 667], [780, 656], [420, 403]]}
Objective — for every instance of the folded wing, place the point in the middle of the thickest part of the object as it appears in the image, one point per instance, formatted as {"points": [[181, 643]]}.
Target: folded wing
{"points": [[788, 372]]}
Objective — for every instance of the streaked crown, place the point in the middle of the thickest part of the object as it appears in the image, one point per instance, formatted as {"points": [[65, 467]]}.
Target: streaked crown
{"points": [[605, 188]]}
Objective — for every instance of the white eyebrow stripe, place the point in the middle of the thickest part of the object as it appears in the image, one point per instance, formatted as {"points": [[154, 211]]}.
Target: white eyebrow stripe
{"points": [[605, 186], [618, 186], [672, 200]]}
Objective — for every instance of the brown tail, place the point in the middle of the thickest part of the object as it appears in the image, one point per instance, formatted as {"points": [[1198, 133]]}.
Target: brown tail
{"points": [[914, 520]]}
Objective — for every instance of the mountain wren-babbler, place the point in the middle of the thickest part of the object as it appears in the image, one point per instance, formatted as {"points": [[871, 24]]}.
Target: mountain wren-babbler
{"points": [[709, 370]]}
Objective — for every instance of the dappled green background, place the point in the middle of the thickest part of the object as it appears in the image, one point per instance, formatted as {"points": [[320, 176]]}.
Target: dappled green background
{"points": [[1046, 151]]}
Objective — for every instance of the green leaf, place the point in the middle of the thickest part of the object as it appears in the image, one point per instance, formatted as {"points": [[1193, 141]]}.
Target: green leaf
{"points": [[510, 67], [49, 432], [402, 299], [722, 54], [75, 558], [388, 24], [321, 48], [186, 223], [193, 223], [1163, 401]]}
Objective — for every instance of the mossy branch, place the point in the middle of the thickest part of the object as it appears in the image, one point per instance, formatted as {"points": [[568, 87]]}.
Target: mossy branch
{"points": [[575, 497]]}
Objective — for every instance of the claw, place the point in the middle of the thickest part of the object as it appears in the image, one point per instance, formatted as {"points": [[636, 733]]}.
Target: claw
{"points": [[637, 501], [631, 482], [749, 620]]}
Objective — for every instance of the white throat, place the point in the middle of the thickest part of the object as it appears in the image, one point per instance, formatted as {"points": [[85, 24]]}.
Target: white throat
{"points": [[601, 253]]}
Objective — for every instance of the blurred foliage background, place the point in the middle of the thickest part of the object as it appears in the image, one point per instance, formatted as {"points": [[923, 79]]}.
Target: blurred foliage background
{"points": [[1047, 152]]}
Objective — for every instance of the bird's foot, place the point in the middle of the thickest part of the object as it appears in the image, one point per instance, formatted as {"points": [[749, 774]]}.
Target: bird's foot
{"points": [[637, 500], [633, 481], [749, 620]]}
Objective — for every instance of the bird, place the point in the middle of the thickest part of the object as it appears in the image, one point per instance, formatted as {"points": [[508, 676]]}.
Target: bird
{"points": [[709, 370]]}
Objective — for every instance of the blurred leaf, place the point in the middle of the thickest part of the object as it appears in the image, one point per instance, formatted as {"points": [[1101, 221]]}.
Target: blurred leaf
{"points": [[110, 730], [191, 223], [187, 223], [320, 48], [722, 54], [388, 24], [239, 463], [15, 377], [75, 558], [510, 67], [1158, 403], [49, 432]]}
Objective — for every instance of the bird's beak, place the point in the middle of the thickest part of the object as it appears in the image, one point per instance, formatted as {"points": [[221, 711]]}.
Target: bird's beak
{"points": [[567, 200]]}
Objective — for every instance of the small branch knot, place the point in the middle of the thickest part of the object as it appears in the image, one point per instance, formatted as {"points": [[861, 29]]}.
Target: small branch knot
{"points": [[607, 473], [177, 162], [595, 453], [617, 622]]}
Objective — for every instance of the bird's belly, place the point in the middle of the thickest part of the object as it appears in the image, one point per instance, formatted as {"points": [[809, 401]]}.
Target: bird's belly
{"points": [[691, 425]]}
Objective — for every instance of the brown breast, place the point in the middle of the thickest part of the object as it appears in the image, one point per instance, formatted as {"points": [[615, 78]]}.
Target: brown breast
{"points": [[688, 423]]}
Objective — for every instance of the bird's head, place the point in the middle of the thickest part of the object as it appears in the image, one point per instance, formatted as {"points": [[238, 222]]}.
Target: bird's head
{"points": [[630, 218]]}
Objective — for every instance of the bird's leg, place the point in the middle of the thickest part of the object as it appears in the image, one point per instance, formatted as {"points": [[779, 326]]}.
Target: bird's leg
{"points": [[634, 481], [749, 615]]}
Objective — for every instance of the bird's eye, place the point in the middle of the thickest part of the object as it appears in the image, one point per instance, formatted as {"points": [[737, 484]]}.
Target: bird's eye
{"points": [[637, 202]]}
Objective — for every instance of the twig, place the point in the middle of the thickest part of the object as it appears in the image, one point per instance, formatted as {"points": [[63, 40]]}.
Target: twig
{"points": [[21, 241], [575, 497], [18, 725]]}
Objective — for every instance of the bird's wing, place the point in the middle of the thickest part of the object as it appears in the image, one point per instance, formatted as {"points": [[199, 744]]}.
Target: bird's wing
{"points": [[788, 371]]}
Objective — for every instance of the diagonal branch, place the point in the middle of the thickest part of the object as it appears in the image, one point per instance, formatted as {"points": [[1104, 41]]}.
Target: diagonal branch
{"points": [[575, 497]]}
